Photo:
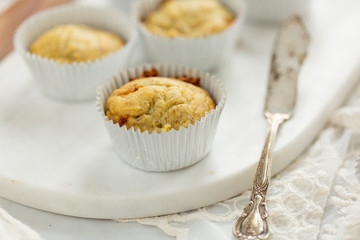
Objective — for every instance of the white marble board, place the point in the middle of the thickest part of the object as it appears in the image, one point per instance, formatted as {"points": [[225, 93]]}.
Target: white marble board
{"points": [[57, 157]]}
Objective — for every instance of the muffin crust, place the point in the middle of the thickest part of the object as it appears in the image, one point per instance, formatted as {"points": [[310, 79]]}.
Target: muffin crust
{"points": [[188, 18], [75, 43], [157, 104]]}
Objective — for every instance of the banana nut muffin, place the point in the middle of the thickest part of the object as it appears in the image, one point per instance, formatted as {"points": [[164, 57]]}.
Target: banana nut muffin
{"points": [[158, 103], [75, 43], [189, 18]]}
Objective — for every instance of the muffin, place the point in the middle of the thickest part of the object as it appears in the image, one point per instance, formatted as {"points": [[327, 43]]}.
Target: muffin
{"points": [[71, 49], [158, 103], [76, 43], [156, 119], [197, 33], [189, 18]]}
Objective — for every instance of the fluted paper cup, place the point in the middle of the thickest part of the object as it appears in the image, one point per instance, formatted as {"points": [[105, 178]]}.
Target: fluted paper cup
{"points": [[202, 53], [165, 151], [76, 81]]}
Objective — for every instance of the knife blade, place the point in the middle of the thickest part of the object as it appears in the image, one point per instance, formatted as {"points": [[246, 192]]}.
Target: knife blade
{"points": [[287, 58]]}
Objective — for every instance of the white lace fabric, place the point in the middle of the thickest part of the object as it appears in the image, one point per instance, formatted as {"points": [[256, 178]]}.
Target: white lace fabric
{"points": [[316, 197]]}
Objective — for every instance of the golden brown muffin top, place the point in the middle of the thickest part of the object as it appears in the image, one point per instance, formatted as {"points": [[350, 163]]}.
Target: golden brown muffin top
{"points": [[188, 18], [158, 103], [75, 43]]}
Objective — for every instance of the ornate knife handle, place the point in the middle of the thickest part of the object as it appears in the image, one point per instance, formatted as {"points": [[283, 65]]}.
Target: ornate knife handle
{"points": [[252, 224]]}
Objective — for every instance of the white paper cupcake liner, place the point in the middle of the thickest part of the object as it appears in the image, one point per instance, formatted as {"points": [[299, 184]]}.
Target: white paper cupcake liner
{"points": [[202, 53], [165, 151], [77, 81]]}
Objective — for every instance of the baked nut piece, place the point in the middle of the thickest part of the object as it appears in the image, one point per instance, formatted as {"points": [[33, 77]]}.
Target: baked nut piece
{"points": [[158, 103], [75, 43], [189, 18]]}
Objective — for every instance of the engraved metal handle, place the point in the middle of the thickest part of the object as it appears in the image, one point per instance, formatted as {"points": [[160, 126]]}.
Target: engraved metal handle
{"points": [[252, 224]]}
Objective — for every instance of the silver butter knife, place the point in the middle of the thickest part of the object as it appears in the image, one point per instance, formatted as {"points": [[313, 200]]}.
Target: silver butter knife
{"points": [[289, 54]]}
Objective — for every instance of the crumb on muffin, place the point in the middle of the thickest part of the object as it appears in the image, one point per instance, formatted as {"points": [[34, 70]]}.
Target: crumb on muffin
{"points": [[189, 18], [155, 73], [158, 104], [76, 43]]}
